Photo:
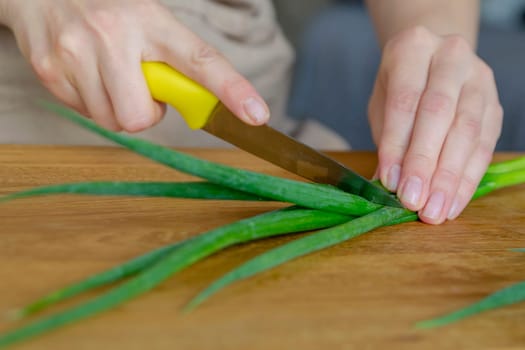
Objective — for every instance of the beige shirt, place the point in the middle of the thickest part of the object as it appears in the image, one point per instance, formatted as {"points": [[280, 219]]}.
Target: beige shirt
{"points": [[245, 31]]}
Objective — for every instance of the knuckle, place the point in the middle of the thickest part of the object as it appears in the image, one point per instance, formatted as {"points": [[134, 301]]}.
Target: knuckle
{"points": [[395, 52], [436, 102], [391, 152], [495, 123], [456, 44], [447, 175], [499, 112], [44, 69], [135, 119], [486, 71], [104, 23], [418, 33], [485, 151], [134, 123], [234, 87], [202, 55], [420, 160], [102, 18], [417, 36], [469, 125], [405, 100], [468, 183], [69, 46]]}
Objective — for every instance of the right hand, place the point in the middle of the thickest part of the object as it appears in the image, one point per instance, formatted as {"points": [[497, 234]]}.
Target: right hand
{"points": [[88, 53]]}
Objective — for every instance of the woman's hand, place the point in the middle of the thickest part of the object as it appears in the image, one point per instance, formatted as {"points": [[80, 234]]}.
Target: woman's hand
{"points": [[435, 117], [88, 53]]}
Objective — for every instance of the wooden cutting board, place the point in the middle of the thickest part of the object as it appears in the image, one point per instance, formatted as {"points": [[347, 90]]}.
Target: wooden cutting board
{"points": [[361, 294]]}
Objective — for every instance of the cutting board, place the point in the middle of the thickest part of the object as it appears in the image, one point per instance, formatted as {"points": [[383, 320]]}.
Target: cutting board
{"points": [[361, 294]]}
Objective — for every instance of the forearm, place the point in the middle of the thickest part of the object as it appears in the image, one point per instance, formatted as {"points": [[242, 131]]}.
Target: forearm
{"points": [[439, 16], [5, 12]]}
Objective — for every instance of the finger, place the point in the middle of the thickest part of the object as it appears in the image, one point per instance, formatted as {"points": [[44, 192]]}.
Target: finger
{"points": [[37, 47], [70, 96], [88, 82], [54, 79], [376, 111], [405, 77], [134, 108], [202, 63], [478, 163], [436, 111], [473, 173], [79, 61], [461, 141]]}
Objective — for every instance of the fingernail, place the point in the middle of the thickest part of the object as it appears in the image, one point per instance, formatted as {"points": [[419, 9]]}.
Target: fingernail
{"points": [[434, 205], [453, 212], [392, 179], [412, 191], [255, 110]]}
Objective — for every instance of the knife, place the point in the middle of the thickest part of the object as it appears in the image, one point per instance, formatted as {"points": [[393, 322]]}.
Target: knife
{"points": [[202, 110]]}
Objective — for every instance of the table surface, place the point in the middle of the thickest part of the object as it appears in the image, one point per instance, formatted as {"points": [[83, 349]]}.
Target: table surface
{"points": [[364, 293]]}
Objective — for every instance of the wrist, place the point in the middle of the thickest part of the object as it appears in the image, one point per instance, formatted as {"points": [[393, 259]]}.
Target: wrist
{"points": [[440, 17]]}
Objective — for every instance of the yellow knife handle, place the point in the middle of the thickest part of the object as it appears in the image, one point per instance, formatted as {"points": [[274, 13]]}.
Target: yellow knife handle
{"points": [[194, 102]]}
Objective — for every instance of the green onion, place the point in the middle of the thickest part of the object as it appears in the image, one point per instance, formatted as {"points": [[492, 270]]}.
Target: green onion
{"points": [[506, 166], [294, 249], [507, 296], [317, 241], [196, 190], [268, 224], [317, 196], [132, 267], [321, 206], [127, 269], [499, 175], [498, 180]]}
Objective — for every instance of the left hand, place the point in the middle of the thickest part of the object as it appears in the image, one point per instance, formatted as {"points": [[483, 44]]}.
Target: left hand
{"points": [[435, 117]]}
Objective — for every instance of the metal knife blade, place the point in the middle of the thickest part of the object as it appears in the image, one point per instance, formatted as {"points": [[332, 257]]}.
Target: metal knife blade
{"points": [[292, 155], [201, 109]]}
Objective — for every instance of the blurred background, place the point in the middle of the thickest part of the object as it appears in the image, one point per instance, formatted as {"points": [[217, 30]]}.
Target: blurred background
{"points": [[338, 56]]}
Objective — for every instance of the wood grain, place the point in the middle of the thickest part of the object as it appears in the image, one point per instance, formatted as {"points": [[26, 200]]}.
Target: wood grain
{"points": [[362, 294]]}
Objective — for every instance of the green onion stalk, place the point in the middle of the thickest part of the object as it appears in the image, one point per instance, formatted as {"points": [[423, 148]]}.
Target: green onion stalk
{"points": [[339, 216]]}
